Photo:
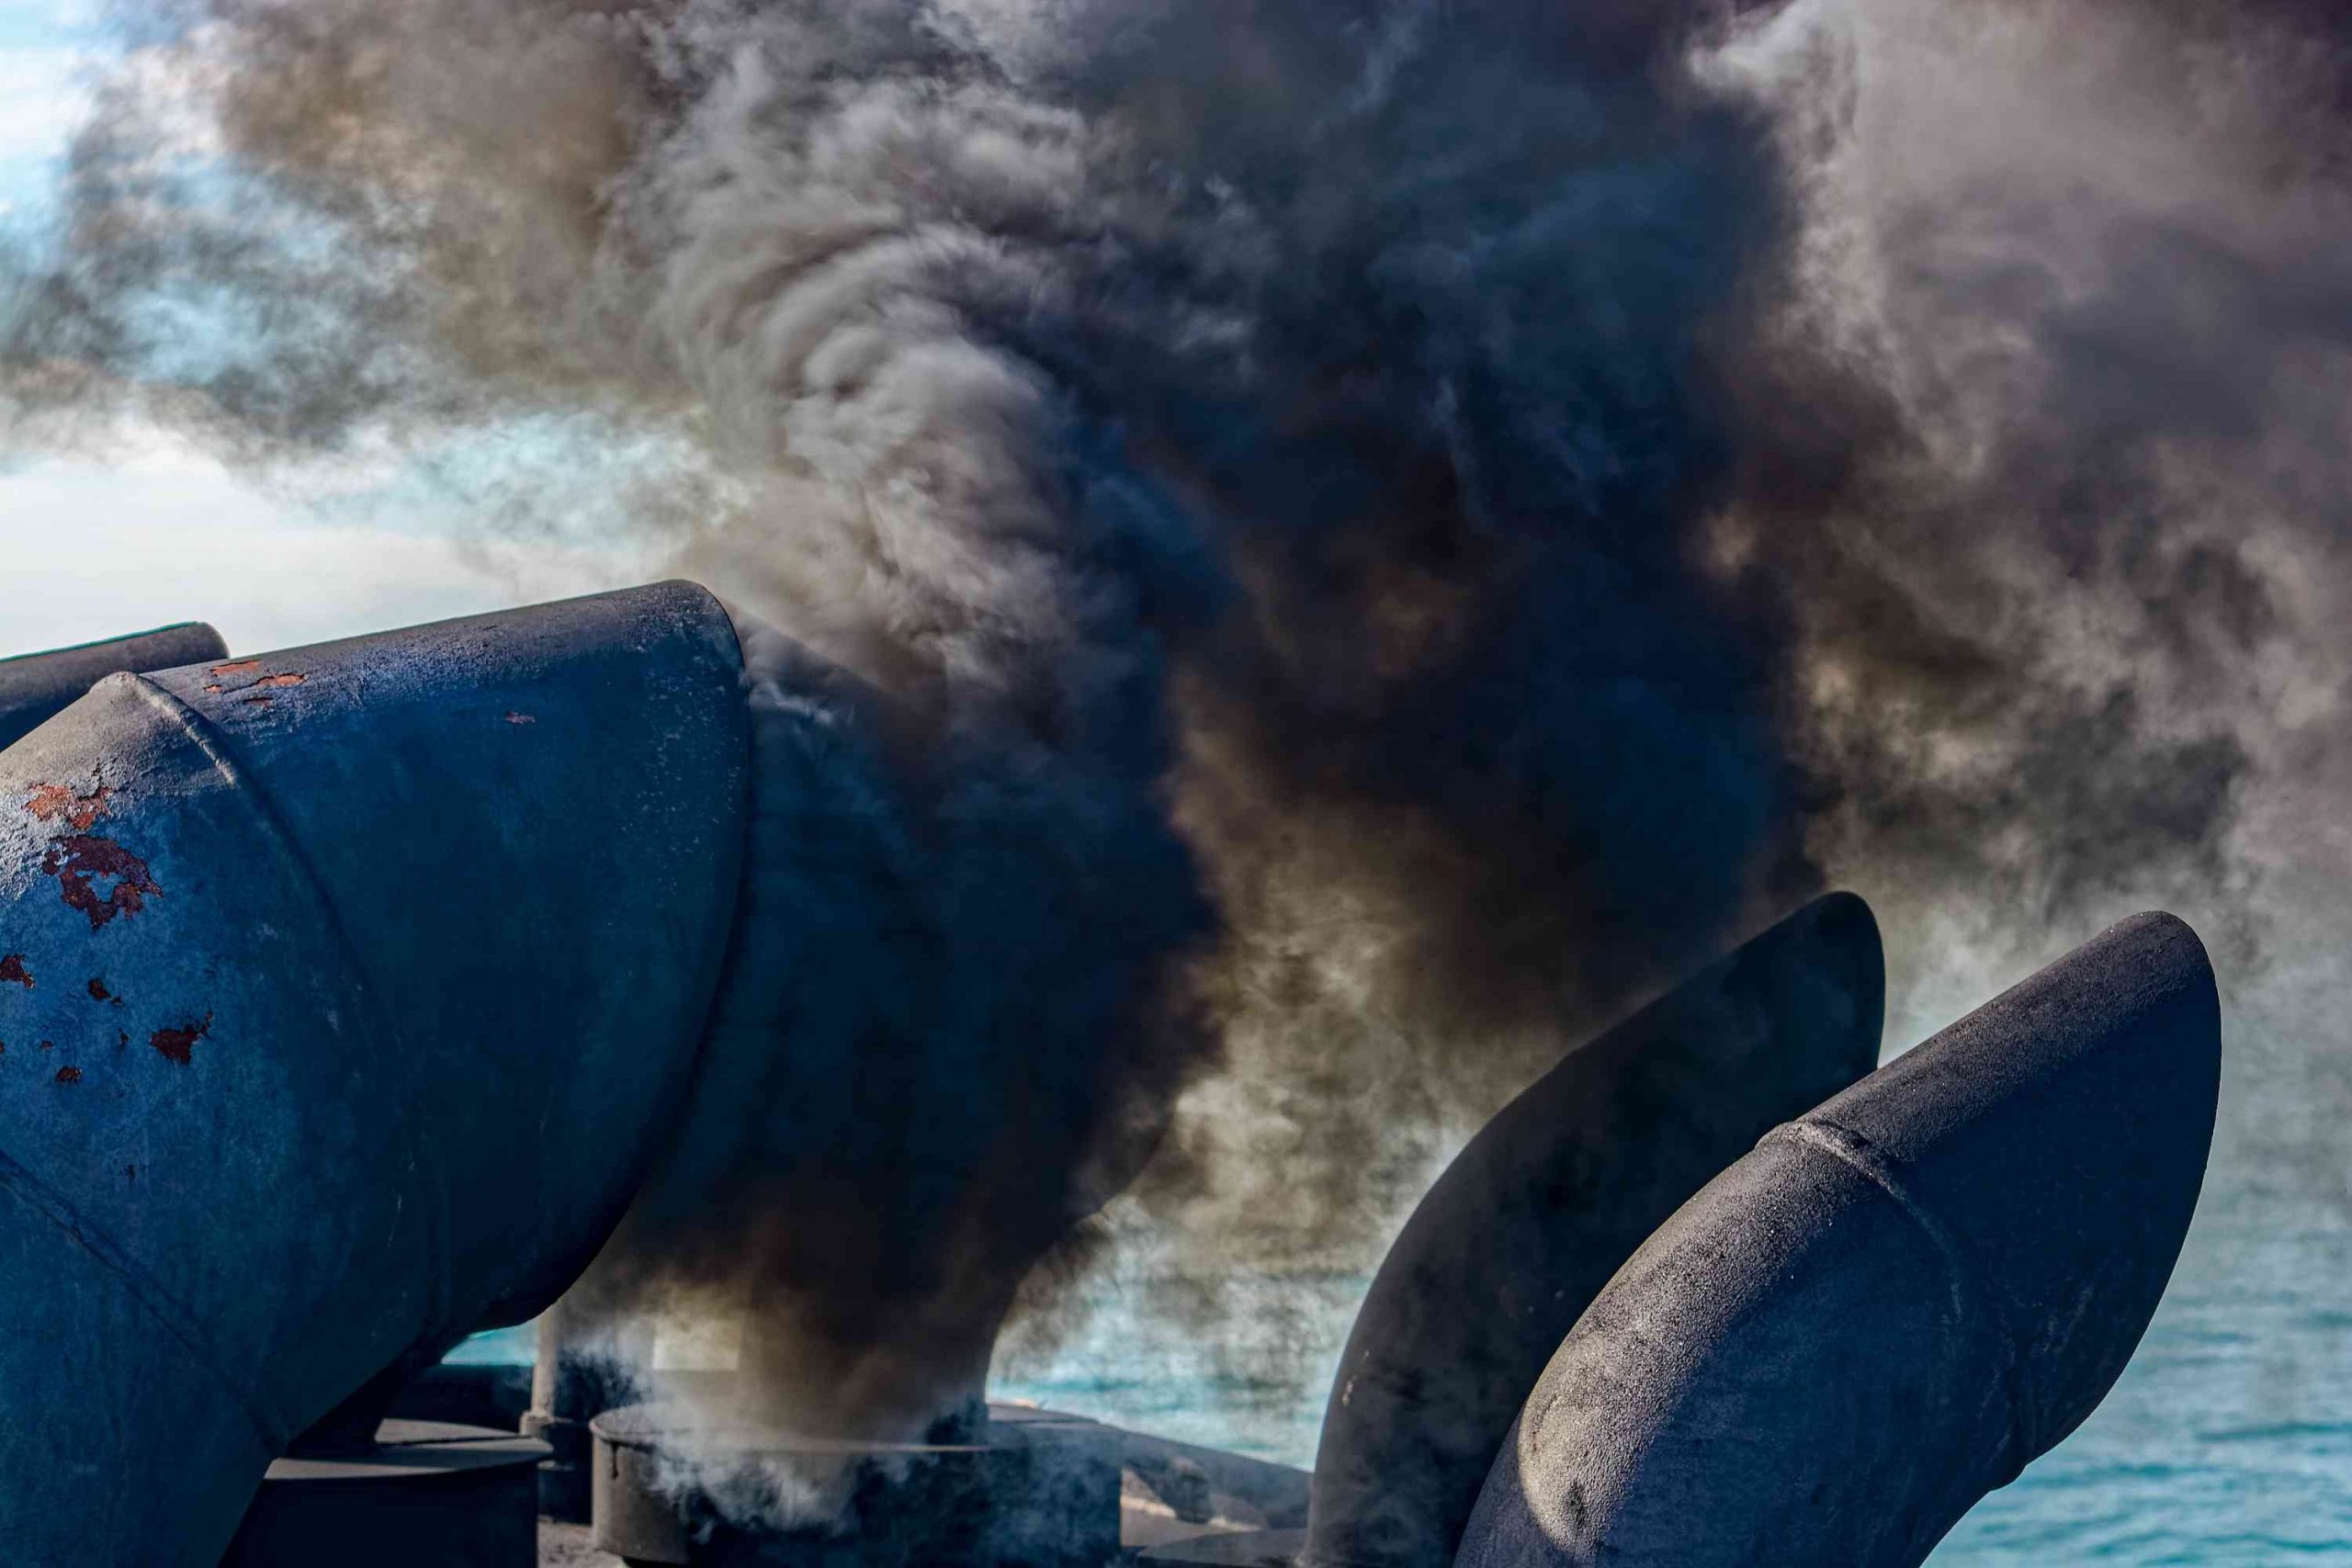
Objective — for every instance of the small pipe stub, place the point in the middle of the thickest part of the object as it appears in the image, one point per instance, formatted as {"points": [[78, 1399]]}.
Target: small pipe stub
{"points": [[1896, 1301], [578, 1371]]}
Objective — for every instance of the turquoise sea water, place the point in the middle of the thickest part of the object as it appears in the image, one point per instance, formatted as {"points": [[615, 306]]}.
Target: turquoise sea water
{"points": [[2228, 1442]]}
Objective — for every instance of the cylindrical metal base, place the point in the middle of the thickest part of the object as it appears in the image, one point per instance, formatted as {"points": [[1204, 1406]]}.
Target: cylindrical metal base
{"points": [[1029, 1490], [428, 1493], [1238, 1549]]}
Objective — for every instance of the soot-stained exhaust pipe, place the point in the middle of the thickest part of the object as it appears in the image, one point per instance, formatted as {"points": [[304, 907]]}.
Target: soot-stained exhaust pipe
{"points": [[344, 996], [34, 686], [1530, 1221], [1896, 1301]]}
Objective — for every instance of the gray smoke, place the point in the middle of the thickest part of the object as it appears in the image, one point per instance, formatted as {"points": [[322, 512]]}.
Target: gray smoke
{"points": [[1377, 531]]}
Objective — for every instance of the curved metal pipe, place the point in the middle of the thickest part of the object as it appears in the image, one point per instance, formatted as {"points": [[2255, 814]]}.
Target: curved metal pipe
{"points": [[343, 995], [35, 686], [1895, 1302], [1530, 1221]]}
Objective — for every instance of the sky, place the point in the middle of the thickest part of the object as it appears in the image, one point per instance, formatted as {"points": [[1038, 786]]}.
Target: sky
{"points": [[153, 531]]}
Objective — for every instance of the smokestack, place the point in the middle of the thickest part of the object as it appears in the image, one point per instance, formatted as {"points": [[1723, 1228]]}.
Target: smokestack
{"points": [[1895, 1302], [33, 686], [350, 989], [1530, 1221]]}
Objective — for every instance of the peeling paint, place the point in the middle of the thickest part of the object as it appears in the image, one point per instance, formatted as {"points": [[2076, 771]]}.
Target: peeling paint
{"points": [[79, 861], [179, 1044], [13, 971], [48, 802], [236, 667], [262, 688], [514, 717]]}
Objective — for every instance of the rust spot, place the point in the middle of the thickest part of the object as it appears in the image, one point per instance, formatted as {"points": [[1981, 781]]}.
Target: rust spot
{"points": [[48, 1046], [179, 1045], [262, 687], [236, 667], [98, 992], [68, 1075], [514, 718], [79, 861], [12, 970], [51, 802]]}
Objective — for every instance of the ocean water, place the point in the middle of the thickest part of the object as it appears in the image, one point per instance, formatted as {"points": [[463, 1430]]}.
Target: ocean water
{"points": [[2228, 1442]]}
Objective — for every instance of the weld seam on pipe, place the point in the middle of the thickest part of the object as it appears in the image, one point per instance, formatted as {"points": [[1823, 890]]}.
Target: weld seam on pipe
{"points": [[1970, 1301], [438, 1224], [159, 1306]]}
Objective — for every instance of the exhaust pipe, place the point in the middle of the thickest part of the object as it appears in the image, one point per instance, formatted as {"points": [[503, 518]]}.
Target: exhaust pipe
{"points": [[1530, 1221], [345, 994], [1895, 1302], [35, 686]]}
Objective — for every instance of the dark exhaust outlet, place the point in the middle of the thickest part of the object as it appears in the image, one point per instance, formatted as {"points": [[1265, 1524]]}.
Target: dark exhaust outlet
{"points": [[1895, 1302], [35, 686]]}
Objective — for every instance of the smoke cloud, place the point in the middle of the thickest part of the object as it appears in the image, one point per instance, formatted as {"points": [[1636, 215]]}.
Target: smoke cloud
{"points": [[1363, 535]]}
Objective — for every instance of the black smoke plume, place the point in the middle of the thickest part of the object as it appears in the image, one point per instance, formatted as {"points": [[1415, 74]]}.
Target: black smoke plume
{"points": [[1374, 531]]}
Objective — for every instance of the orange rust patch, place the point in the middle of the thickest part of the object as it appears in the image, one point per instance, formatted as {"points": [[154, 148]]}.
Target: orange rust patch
{"points": [[236, 667], [263, 687], [80, 861], [13, 971], [68, 1075], [179, 1044], [51, 802]]}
